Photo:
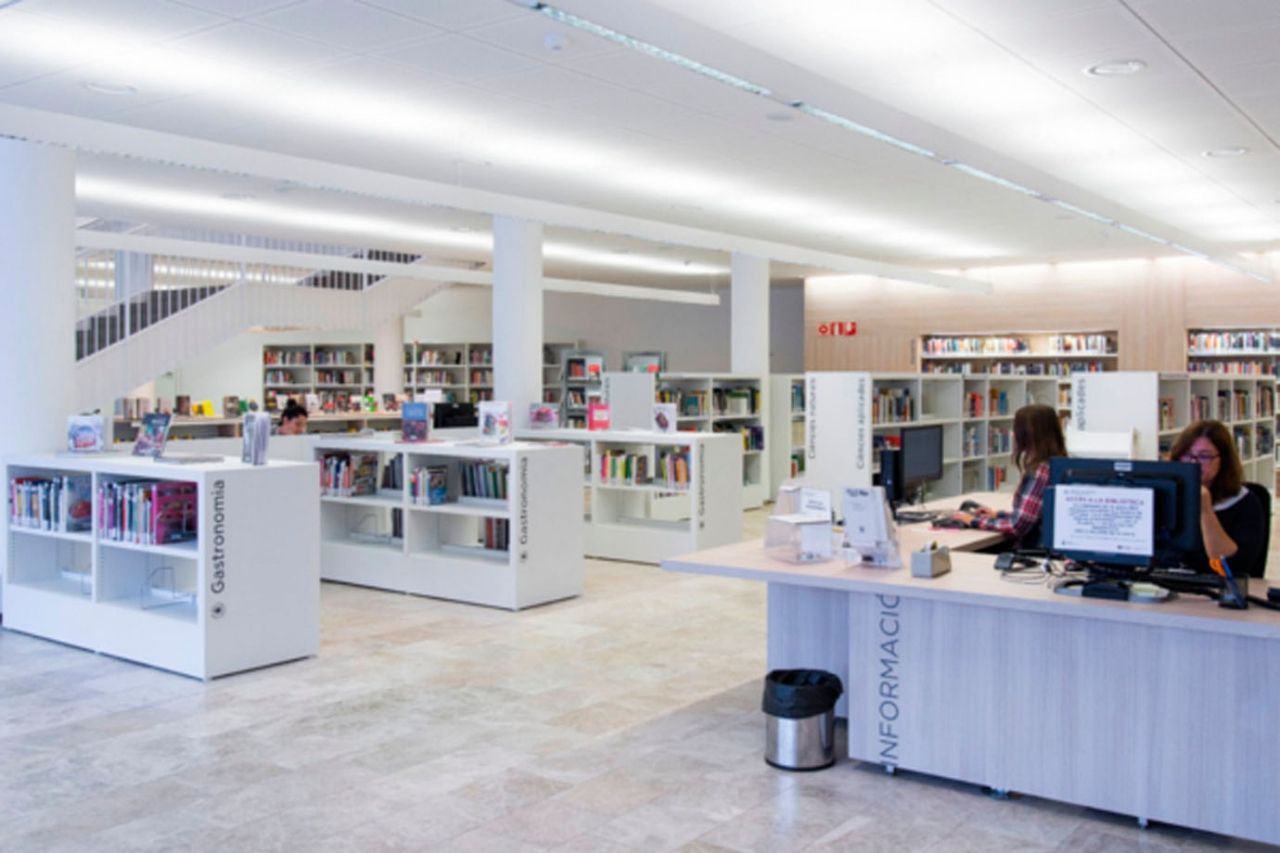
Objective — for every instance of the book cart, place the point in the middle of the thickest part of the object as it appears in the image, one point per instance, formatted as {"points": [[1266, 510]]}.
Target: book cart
{"points": [[239, 591], [482, 524]]}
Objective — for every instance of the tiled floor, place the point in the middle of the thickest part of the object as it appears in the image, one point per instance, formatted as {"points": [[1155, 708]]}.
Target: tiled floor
{"points": [[627, 719]]}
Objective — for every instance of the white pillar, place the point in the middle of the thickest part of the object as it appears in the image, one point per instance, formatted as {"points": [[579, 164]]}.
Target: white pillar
{"points": [[388, 358], [517, 315], [37, 278], [749, 315]]}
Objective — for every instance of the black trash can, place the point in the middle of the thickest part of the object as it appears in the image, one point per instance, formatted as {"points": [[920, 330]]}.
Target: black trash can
{"points": [[800, 718]]}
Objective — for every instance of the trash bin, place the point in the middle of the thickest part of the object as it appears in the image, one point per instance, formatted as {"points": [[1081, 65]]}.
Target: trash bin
{"points": [[800, 718]]}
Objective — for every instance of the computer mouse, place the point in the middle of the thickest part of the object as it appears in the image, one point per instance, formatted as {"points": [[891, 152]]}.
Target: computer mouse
{"points": [[970, 506]]}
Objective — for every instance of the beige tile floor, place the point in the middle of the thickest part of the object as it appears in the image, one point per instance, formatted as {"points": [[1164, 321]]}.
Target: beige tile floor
{"points": [[627, 719]]}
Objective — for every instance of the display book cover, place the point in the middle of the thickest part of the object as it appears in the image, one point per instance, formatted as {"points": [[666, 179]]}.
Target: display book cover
{"points": [[153, 435], [598, 416], [495, 421], [414, 422], [84, 434], [173, 512], [664, 417]]}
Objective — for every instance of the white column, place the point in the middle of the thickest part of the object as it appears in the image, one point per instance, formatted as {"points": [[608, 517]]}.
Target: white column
{"points": [[749, 315], [517, 315], [388, 358], [37, 278]]}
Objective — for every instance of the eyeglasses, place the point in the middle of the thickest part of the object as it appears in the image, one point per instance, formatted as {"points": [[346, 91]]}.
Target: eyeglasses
{"points": [[1199, 457]]}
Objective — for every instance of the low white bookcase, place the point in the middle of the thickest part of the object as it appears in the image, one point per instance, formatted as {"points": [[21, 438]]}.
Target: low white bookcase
{"points": [[651, 517], [518, 549], [244, 593]]}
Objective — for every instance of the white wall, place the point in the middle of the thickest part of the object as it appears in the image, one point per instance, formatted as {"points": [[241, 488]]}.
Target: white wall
{"points": [[695, 338]]}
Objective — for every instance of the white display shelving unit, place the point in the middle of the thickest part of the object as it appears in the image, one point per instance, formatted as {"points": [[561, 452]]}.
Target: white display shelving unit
{"points": [[653, 520], [786, 428], [243, 594], [848, 415], [1161, 405], [715, 403], [461, 372], [1223, 353], [581, 384], [390, 541]]}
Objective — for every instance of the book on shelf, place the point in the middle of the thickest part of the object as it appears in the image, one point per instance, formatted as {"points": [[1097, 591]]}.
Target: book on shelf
{"points": [[147, 512], [999, 402], [84, 434], [619, 467], [598, 416], [1166, 413], [231, 406], [672, 468], [152, 435], [797, 397], [664, 417], [973, 404], [496, 534], [1232, 341], [495, 421], [892, 405], [429, 485], [348, 475], [484, 479], [414, 419]]}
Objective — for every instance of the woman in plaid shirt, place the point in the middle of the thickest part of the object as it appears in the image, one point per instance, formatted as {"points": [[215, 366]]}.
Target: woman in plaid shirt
{"points": [[1037, 437]]}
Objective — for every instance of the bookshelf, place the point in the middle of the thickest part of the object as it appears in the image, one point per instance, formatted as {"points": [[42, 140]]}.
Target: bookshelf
{"points": [[642, 503], [725, 403], [581, 383], [497, 536], [336, 373], [849, 416], [125, 430], [786, 428], [553, 370], [238, 595], [1235, 352], [1161, 405]]}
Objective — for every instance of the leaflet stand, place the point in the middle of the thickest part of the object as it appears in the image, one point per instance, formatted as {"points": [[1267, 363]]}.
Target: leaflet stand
{"points": [[870, 536]]}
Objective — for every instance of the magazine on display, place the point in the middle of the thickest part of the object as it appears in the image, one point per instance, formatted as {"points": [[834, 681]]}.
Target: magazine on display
{"points": [[153, 435], [84, 434], [495, 422]]}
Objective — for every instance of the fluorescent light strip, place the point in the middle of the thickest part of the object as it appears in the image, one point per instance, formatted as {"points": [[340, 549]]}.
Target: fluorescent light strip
{"points": [[862, 129]]}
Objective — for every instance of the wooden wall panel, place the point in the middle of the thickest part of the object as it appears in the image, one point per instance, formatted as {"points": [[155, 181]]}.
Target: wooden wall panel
{"points": [[1151, 303]]}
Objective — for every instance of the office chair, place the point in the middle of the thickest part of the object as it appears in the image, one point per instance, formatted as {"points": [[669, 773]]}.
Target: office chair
{"points": [[1259, 569]]}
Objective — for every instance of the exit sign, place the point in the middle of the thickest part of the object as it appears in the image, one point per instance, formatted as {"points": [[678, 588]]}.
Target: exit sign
{"points": [[841, 329]]}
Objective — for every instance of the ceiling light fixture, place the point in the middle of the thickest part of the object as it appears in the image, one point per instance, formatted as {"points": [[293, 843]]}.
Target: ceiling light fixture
{"points": [[1229, 151], [106, 87], [849, 124], [1116, 68]]}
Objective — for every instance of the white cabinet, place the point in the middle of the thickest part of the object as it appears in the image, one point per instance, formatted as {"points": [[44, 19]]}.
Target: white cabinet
{"points": [[242, 593]]}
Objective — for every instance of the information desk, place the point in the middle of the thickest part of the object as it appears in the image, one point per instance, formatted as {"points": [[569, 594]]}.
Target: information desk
{"points": [[1153, 710]]}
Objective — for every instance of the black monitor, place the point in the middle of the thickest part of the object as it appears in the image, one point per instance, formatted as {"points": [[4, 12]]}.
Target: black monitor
{"points": [[1175, 532], [921, 456], [447, 415]]}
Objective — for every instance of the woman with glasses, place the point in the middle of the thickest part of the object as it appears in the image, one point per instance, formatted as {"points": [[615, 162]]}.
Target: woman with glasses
{"points": [[1037, 438], [1232, 521]]}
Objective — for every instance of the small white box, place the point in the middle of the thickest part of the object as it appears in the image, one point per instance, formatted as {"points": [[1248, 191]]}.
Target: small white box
{"points": [[799, 538], [930, 562]]}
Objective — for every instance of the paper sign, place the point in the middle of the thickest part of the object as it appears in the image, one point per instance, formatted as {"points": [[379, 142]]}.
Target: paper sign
{"points": [[815, 502], [1104, 520]]}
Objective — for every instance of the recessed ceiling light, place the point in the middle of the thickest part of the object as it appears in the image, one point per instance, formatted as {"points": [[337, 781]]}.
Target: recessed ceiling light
{"points": [[107, 87], [555, 42], [1116, 68], [1229, 151]]}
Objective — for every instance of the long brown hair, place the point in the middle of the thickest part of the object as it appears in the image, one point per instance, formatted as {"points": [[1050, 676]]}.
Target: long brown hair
{"points": [[1037, 436], [1230, 477]]}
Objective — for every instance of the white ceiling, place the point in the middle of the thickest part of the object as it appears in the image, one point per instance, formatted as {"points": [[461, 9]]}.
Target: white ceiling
{"points": [[486, 94]]}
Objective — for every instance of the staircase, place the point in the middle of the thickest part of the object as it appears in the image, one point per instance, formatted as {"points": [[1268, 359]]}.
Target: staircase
{"points": [[136, 340]]}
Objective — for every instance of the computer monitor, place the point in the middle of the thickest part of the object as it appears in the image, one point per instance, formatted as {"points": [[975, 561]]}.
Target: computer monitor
{"points": [[1123, 512], [447, 415], [917, 458], [921, 457]]}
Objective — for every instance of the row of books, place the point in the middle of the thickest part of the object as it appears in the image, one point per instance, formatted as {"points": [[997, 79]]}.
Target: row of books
{"points": [[797, 397], [482, 377], [689, 404], [435, 357], [285, 377], [735, 401], [620, 468], [892, 405], [1234, 368], [993, 345], [1244, 441], [974, 404], [999, 402], [282, 356], [1234, 341], [480, 395], [1094, 343], [429, 485], [433, 377], [1266, 441], [485, 479], [672, 468], [1015, 368], [495, 534], [584, 367], [346, 475], [63, 504], [996, 477], [971, 443], [343, 356], [1000, 440], [339, 377], [147, 512], [797, 462]]}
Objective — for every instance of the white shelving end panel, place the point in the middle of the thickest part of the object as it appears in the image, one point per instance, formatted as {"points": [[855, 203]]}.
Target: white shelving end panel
{"points": [[838, 430], [1120, 401], [630, 397]]}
